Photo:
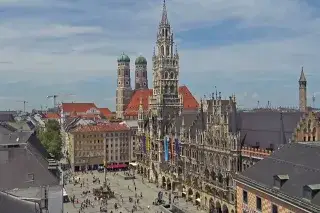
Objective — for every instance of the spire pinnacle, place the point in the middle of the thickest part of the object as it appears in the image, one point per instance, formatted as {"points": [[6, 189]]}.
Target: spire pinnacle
{"points": [[164, 18], [302, 76]]}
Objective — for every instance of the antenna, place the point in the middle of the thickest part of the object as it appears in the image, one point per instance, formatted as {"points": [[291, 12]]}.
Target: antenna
{"points": [[258, 104]]}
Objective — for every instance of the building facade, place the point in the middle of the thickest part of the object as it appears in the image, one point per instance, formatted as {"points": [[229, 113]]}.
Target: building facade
{"points": [[141, 73], [308, 127], [124, 89], [286, 182], [86, 145]]}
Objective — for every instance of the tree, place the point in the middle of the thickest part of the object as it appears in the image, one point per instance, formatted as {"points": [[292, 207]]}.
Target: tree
{"points": [[51, 138]]}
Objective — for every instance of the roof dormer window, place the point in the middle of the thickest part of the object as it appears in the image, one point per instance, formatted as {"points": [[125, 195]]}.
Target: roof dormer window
{"points": [[279, 180], [309, 191]]}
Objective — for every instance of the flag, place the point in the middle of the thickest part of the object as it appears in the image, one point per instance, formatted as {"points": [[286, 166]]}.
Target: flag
{"points": [[166, 149], [171, 148], [148, 143], [177, 146], [144, 144]]}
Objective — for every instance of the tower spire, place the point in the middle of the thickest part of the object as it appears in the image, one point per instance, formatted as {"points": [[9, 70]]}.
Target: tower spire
{"points": [[302, 76], [164, 18]]}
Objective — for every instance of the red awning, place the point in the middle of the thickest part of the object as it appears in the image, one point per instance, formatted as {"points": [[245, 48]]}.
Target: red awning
{"points": [[117, 166]]}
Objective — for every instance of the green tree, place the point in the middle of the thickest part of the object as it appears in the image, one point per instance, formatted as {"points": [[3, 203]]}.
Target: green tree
{"points": [[51, 139]]}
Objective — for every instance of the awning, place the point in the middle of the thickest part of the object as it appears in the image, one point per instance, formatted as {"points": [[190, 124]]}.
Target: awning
{"points": [[117, 166], [198, 199], [184, 193], [133, 164]]}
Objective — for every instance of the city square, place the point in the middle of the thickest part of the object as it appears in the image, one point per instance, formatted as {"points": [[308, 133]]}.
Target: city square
{"points": [[123, 190]]}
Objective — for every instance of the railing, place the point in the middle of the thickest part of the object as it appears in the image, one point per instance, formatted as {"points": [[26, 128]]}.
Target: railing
{"points": [[255, 152]]}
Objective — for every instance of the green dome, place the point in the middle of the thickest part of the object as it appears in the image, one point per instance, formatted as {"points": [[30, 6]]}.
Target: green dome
{"points": [[123, 58], [141, 60]]}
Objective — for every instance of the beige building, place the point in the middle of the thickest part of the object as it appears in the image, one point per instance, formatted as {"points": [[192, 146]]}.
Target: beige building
{"points": [[133, 125], [86, 149]]}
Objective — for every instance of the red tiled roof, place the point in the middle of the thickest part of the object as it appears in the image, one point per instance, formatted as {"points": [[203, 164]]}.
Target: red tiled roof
{"points": [[51, 115], [102, 127], [77, 107], [106, 112], [189, 101], [88, 116]]}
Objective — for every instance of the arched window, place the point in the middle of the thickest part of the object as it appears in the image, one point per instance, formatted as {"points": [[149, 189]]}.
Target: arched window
{"points": [[166, 89], [172, 90], [167, 50], [166, 75], [171, 75], [162, 50]]}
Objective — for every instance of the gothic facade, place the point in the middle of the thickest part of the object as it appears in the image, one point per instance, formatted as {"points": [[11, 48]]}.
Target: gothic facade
{"points": [[197, 152]]}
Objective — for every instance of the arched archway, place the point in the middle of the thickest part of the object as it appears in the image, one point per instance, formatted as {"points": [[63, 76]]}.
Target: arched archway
{"points": [[168, 184], [220, 178], [232, 211], [206, 174], [211, 206], [206, 202], [225, 209], [198, 199], [213, 175], [184, 191], [218, 207], [190, 194], [164, 182]]}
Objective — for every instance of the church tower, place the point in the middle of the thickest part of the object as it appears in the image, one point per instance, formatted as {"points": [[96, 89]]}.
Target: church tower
{"points": [[141, 75], [165, 60], [124, 91], [302, 92]]}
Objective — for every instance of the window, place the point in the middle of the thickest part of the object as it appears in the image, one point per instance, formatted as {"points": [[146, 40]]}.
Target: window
{"points": [[274, 208], [258, 204], [245, 196]]}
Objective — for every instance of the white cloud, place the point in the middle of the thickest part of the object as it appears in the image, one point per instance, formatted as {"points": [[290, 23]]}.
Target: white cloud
{"points": [[38, 46]]}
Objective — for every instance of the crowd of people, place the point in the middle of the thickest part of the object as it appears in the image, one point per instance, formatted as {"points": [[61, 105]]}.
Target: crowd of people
{"points": [[87, 180]]}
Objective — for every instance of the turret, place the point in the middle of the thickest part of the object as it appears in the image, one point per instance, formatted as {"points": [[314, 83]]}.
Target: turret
{"points": [[302, 92], [124, 89], [141, 74]]}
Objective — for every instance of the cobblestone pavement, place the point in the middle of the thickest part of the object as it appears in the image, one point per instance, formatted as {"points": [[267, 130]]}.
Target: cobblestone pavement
{"points": [[120, 186]]}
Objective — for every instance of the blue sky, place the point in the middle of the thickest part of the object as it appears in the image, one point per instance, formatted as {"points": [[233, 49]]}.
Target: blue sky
{"points": [[252, 48]]}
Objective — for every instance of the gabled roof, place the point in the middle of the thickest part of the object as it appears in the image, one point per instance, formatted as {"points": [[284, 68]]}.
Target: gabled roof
{"points": [[189, 101], [25, 167], [105, 112], [77, 107], [300, 161], [266, 127], [6, 117]]}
